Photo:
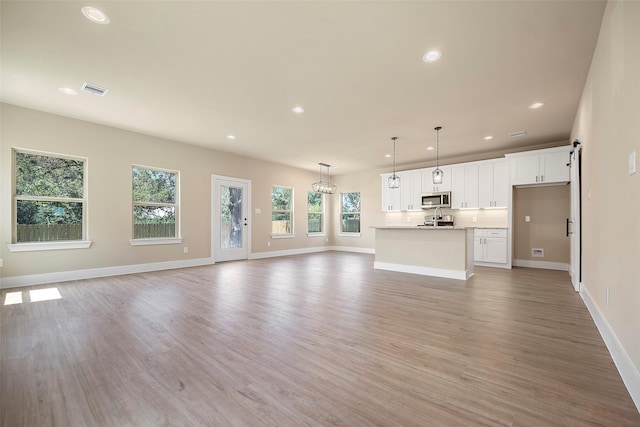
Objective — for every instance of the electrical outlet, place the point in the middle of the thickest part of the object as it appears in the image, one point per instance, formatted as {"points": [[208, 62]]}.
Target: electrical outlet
{"points": [[186, 249], [408, 219], [527, 218], [258, 210], [268, 243], [474, 219]]}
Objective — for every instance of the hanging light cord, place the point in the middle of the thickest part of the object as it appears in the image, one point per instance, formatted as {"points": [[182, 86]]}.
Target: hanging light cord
{"points": [[437, 144], [394, 155]]}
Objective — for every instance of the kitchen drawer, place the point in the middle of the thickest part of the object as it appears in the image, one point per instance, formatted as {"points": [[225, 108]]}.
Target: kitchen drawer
{"points": [[491, 232]]}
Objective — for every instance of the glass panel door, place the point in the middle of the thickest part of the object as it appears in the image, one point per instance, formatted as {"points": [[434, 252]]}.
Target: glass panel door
{"points": [[231, 219], [230, 225]]}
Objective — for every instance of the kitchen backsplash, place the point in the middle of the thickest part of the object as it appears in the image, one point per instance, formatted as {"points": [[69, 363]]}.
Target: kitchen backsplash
{"points": [[462, 218]]}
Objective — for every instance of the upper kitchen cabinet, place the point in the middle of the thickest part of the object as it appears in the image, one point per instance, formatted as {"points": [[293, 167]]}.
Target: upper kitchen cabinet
{"points": [[549, 166], [411, 190], [464, 186], [427, 180], [390, 196], [493, 184]]}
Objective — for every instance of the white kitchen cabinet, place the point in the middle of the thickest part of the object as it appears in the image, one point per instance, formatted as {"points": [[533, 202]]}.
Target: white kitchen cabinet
{"points": [[464, 186], [493, 184], [547, 166], [427, 180], [390, 196], [411, 190], [490, 246]]}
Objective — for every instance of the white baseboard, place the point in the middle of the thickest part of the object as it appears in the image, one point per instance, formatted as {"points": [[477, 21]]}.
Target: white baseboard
{"points": [[273, 254], [491, 264], [425, 271], [541, 264], [627, 370], [353, 249], [65, 276]]}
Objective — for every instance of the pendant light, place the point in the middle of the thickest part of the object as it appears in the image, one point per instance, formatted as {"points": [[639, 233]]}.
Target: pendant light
{"points": [[394, 180], [437, 174], [324, 187]]}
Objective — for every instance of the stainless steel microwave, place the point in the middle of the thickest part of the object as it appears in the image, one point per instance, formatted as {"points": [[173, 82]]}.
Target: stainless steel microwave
{"points": [[436, 200]]}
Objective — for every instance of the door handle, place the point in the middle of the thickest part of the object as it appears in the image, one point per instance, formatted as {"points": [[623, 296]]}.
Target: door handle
{"points": [[567, 227]]}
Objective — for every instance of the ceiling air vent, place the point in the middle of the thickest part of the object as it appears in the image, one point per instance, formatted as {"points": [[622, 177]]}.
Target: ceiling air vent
{"points": [[517, 134], [94, 89]]}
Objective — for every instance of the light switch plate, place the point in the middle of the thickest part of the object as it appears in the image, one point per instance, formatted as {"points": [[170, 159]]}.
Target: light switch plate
{"points": [[527, 218], [632, 163]]}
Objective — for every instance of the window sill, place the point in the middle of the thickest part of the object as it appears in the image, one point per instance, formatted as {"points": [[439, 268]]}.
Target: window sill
{"points": [[283, 236], [157, 241], [49, 246], [316, 234], [349, 234]]}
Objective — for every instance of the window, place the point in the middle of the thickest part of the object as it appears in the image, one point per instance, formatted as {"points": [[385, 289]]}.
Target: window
{"points": [[155, 206], [350, 213], [315, 213], [281, 211], [50, 199]]}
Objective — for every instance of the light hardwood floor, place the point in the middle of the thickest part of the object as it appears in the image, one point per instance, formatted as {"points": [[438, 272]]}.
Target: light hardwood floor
{"points": [[319, 339]]}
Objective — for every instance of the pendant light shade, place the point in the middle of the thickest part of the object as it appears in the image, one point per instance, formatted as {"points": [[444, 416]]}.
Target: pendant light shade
{"points": [[324, 187], [437, 174], [394, 180]]}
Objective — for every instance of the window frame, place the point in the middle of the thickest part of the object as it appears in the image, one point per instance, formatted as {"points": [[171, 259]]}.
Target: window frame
{"points": [[322, 231], [83, 243], [342, 212], [292, 234], [146, 241]]}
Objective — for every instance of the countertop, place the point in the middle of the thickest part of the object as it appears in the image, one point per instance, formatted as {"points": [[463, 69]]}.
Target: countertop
{"points": [[416, 227]]}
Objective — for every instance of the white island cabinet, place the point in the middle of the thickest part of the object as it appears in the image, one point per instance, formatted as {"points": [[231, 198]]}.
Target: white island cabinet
{"points": [[490, 247], [431, 251]]}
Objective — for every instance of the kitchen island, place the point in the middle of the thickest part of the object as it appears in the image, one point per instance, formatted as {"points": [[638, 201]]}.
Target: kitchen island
{"points": [[431, 251]]}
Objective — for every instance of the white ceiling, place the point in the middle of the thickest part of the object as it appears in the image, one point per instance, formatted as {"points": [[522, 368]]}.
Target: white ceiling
{"points": [[196, 72]]}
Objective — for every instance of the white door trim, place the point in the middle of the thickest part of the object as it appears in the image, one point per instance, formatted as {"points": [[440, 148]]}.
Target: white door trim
{"points": [[215, 225], [574, 226]]}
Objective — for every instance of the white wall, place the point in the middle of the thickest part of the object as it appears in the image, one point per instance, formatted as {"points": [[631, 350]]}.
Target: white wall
{"points": [[110, 154], [608, 125]]}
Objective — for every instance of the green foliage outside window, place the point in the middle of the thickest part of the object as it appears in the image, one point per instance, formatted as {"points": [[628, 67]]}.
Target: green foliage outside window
{"points": [[314, 212], [154, 203], [49, 194], [350, 213], [281, 210]]}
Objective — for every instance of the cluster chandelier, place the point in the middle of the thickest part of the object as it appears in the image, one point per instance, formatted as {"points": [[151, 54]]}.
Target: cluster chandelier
{"points": [[394, 180], [437, 174], [324, 187]]}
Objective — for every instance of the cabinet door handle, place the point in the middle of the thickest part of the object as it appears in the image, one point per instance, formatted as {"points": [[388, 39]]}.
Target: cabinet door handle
{"points": [[541, 178], [537, 178]]}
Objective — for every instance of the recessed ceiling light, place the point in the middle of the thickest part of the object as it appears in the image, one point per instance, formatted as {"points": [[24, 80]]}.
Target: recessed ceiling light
{"points": [[536, 105], [298, 109], [432, 56], [387, 155], [68, 91], [95, 15], [231, 137], [430, 148], [488, 137]]}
